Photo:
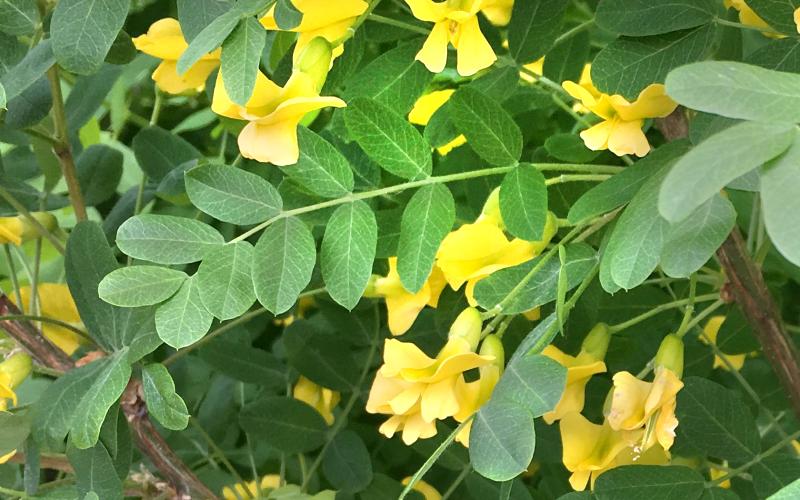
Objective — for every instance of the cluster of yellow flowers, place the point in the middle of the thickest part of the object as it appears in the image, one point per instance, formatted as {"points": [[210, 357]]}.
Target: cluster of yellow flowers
{"points": [[639, 425]]}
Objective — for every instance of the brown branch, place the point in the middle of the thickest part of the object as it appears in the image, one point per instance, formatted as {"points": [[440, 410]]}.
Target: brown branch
{"points": [[56, 462], [186, 485], [747, 288]]}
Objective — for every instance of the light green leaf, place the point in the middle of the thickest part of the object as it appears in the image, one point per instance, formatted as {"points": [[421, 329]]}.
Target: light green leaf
{"points": [[18, 17], [283, 261], [737, 90], [540, 289], [655, 482], [781, 203], [347, 464], [95, 475], [789, 492], [716, 420], [84, 30], [29, 70], [14, 430], [105, 390], [427, 219], [183, 319], [534, 26], [223, 278], [162, 400], [388, 139], [718, 160], [689, 244], [241, 55], [321, 168], [502, 440], [194, 15], [533, 381], [653, 17], [3, 100], [489, 129], [166, 239], [348, 250], [136, 286], [208, 39], [523, 202], [627, 65], [232, 195], [284, 423]]}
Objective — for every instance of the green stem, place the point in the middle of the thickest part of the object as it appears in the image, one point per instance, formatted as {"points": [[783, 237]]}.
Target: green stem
{"points": [[734, 24], [24, 212], [13, 493], [341, 419], [574, 31], [561, 179], [460, 479], [758, 458], [398, 24], [658, 310], [217, 450], [433, 458], [12, 271], [687, 313]]}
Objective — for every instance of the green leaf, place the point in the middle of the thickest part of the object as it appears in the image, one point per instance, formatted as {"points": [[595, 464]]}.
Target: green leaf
{"points": [[781, 55], [533, 29], [159, 151], [653, 17], [136, 286], [223, 278], [348, 250], [427, 219], [232, 195], [501, 440], [208, 39], [395, 79], [162, 400], [523, 202], [3, 99], [388, 139], [788, 492], [283, 261], [689, 244], [735, 336], [84, 30], [194, 15], [286, 15], [567, 58], [533, 381], [241, 55], [655, 482], [243, 362], [88, 94], [737, 90], [347, 464], [489, 129], [570, 148], [321, 168], [105, 390], [18, 17], [29, 70], [183, 319], [780, 201], [320, 356], [540, 289], [166, 239], [717, 421], [718, 160], [99, 171], [627, 65], [95, 474], [284, 423], [621, 188], [14, 430], [777, 13], [773, 473]]}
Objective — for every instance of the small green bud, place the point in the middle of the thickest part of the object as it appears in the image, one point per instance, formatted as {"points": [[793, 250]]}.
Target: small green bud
{"points": [[315, 61], [670, 354], [467, 326], [596, 342]]}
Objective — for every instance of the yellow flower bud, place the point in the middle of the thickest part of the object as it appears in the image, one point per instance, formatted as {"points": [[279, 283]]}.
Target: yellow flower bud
{"points": [[315, 61], [596, 342], [17, 230], [491, 209], [493, 346], [17, 367], [468, 326], [670, 354]]}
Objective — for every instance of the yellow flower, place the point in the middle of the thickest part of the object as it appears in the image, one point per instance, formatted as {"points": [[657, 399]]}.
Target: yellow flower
{"points": [[403, 306], [456, 23], [424, 109], [536, 67], [17, 230], [498, 12], [580, 369], [428, 492], [473, 395], [322, 399], [621, 128], [13, 370], [165, 41], [55, 302], [273, 114], [321, 19], [711, 331], [474, 251], [797, 18], [749, 17], [248, 490], [418, 390]]}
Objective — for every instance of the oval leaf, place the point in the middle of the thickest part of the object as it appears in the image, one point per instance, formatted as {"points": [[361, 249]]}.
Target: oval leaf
{"points": [[489, 129], [523, 202], [287, 424], [781, 203], [321, 168], [84, 30], [165, 239], [183, 319], [502, 440], [162, 400], [136, 286], [223, 278]]}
